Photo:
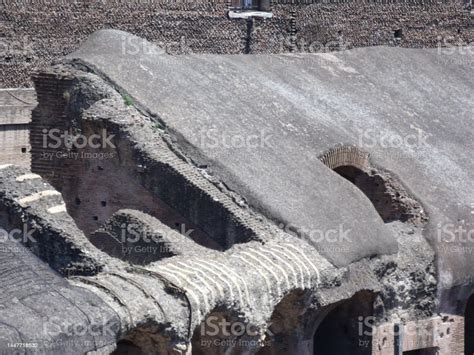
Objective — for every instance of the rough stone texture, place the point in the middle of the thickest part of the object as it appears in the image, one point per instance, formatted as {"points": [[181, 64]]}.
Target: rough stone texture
{"points": [[289, 290], [365, 97], [15, 115], [443, 334], [33, 33], [37, 305], [140, 238]]}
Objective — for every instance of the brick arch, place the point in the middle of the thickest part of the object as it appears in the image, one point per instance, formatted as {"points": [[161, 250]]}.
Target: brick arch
{"points": [[346, 156], [388, 195], [291, 325], [144, 340], [339, 329]]}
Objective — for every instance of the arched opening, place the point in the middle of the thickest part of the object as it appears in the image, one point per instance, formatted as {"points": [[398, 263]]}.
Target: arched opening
{"points": [[290, 330], [346, 329], [374, 187], [144, 340], [469, 327], [388, 197], [126, 347]]}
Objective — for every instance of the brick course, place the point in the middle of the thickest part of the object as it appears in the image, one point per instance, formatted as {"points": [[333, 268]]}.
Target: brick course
{"points": [[34, 33]]}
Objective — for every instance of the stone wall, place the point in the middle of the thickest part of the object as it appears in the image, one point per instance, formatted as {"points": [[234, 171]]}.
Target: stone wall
{"points": [[15, 115], [96, 181], [33, 33], [443, 334]]}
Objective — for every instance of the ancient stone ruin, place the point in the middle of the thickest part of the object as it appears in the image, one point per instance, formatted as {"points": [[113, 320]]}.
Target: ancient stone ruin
{"points": [[280, 203]]}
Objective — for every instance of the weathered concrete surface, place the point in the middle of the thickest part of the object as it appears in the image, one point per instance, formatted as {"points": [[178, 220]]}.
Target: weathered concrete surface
{"points": [[40, 312], [268, 275], [167, 298], [306, 104], [15, 115], [140, 239], [40, 308], [263, 175]]}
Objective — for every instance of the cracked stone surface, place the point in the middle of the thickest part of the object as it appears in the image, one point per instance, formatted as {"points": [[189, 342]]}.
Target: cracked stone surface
{"points": [[159, 180]]}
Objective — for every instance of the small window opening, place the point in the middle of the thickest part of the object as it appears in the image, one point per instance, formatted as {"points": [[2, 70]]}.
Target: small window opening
{"points": [[103, 203], [426, 351], [251, 5], [344, 330], [78, 201], [95, 218], [398, 34], [23, 150]]}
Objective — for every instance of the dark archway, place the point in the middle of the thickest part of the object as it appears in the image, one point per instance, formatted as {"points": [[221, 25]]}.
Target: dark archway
{"points": [[126, 347], [387, 198], [346, 327], [469, 327], [291, 325], [149, 339]]}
